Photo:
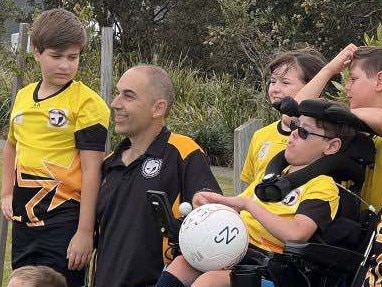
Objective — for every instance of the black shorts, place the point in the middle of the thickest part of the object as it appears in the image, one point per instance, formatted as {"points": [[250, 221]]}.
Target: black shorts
{"points": [[45, 245]]}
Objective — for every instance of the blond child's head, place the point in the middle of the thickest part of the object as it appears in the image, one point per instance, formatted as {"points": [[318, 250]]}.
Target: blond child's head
{"points": [[35, 276]]}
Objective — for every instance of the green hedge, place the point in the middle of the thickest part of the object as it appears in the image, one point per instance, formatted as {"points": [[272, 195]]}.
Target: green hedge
{"points": [[207, 108]]}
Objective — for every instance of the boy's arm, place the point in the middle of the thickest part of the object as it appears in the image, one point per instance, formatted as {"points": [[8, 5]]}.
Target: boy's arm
{"points": [[301, 227], [81, 245], [9, 154], [314, 88], [371, 116]]}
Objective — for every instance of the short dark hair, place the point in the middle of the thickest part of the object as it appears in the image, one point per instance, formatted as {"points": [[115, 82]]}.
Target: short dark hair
{"points": [[57, 29], [309, 60], [39, 276], [339, 130], [161, 82], [369, 59]]}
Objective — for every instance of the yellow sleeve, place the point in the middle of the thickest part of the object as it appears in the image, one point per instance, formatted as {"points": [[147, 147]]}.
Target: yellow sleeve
{"points": [[247, 174]]}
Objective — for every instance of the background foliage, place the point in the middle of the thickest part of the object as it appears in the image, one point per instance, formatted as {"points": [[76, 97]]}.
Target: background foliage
{"points": [[216, 51]]}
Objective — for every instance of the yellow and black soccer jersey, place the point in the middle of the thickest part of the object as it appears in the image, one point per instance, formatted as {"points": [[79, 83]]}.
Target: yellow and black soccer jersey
{"points": [[371, 190], [47, 135], [265, 144], [130, 242], [373, 276], [318, 199]]}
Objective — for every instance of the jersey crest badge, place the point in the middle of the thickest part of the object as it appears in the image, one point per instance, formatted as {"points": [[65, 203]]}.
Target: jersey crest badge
{"points": [[264, 150], [18, 119], [292, 197], [57, 118], [151, 167]]}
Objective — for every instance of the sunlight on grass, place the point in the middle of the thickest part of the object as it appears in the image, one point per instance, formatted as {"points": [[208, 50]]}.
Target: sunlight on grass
{"points": [[226, 184]]}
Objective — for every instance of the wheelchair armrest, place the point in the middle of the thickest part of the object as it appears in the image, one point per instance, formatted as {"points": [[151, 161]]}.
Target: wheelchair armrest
{"points": [[336, 259], [169, 226]]}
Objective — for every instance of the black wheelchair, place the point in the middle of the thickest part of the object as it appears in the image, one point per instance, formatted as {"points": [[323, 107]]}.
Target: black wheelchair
{"points": [[336, 258]]}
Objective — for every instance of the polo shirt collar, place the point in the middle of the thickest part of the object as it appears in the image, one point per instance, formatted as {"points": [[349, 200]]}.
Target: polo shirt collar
{"points": [[156, 148]]}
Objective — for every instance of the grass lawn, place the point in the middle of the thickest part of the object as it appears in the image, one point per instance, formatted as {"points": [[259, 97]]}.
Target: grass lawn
{"points": [[226, 184]]}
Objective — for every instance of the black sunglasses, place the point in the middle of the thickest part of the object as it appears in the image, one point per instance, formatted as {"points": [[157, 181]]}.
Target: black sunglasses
{"points": [[303, 133]]}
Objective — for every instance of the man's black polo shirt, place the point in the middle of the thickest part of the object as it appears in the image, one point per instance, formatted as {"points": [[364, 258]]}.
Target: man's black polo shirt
{"points": [[130, 243]]}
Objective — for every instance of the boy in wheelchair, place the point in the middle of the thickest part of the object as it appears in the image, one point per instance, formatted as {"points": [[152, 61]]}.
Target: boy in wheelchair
{"points": [[301, 213]]}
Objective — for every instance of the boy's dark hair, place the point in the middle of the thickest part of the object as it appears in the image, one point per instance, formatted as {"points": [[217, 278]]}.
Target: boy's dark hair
{"points": [[337, 129], [57, 29], [369, 59], [39, 276], [307, 59]]}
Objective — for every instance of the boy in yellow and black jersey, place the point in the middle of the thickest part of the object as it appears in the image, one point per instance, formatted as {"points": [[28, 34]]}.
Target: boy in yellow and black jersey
{"points": [[53, 154]]}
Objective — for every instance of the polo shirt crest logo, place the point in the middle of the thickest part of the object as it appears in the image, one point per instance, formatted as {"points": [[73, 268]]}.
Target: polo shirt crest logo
{"points": [[151, 167], [57, 118], [292, 197]]}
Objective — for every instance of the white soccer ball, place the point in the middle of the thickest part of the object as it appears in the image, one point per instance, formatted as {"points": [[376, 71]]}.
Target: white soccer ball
{"points": [[213, 237]]}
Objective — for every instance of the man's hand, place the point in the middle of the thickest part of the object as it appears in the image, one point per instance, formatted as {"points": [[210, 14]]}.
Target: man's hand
{"points": [[342, 60], [6, 206], [80, 250]]}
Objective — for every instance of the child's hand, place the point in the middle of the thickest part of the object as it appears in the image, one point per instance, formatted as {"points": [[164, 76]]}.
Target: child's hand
{"points": [[343, 59], [203, 197], [80, 250], [6, 206], [236, 202]]}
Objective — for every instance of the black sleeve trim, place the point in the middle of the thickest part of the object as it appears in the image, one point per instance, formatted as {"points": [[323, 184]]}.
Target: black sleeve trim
{"points": [[91, 138], [198, 175], [317, 210]]}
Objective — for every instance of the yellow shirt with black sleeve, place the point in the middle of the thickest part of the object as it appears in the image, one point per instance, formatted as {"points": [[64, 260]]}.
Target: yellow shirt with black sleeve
{"points": [[48, 135], [265, 144], [318, 199], [371, 193], [371, 190]]}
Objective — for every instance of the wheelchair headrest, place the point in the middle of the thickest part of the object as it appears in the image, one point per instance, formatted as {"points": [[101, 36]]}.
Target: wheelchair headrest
{"points": [[321, 109], [349, 164]]}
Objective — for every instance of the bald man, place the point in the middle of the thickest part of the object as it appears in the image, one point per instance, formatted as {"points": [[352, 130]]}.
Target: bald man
{"points": [[149, 157]]}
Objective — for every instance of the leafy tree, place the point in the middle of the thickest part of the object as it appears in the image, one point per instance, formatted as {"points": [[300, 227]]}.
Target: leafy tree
{"points": [[258, 28], [150, 27], [8, 9]]}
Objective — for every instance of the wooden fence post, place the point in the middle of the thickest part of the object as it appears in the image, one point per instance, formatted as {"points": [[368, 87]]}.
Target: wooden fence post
{"points": [[17, 83], [107, 70], [242, 138]]}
